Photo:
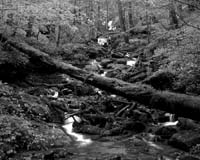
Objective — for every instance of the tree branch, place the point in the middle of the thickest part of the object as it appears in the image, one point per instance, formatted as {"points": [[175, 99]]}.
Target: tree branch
{"points": [[179, 1]]}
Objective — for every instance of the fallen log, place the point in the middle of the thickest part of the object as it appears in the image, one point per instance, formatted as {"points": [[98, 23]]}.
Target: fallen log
{"points": [[180, 104]]}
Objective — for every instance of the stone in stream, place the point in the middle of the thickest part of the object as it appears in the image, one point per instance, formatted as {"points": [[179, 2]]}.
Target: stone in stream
{"points": [[185, 140], [121, 61], [188, 157], [55, 154], [165, 132], [104, 62]]}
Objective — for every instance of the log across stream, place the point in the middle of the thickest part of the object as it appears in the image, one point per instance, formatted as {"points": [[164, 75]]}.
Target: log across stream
{"points": [[179, 104]]}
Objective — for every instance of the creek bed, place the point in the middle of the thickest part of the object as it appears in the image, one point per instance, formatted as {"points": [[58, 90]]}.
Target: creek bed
{"points": [[126, 149]]}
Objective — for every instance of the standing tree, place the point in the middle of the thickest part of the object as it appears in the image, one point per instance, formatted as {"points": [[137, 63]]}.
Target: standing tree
{"points": [[172, 15], [30, 25], [130, 14], [122, 20], [75, 12], [98, 17], [107, 14]]}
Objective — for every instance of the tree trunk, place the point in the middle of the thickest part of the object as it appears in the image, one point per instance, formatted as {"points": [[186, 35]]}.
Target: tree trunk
{"points": [[130, 14], [121, 17], [107, 14], [58, 35], [180, 104], [79, 20], [98, 16], [30, 24], [91, 17], [180, 10], [191, 5], [172, 15], [75, 12], [148, 23], [122, 20]]}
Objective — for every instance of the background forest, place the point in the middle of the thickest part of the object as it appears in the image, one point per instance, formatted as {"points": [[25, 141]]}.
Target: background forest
{"points": [[99, 79]]}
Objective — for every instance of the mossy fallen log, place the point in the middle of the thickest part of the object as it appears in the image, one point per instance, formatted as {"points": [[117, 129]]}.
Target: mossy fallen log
{"points": [[180, 104]]}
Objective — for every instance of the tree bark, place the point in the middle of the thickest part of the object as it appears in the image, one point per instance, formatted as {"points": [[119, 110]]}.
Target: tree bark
{"points": [[107, 14], [58, 35], [180, 104], [122, 20], [172, 15], [98, 17], [75, 12], [130, 14], [30, 24]]}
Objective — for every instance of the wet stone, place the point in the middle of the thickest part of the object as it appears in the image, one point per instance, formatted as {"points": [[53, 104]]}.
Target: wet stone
{"points": [[189, 157], [104, 63], [165, 132], [184, 140]]}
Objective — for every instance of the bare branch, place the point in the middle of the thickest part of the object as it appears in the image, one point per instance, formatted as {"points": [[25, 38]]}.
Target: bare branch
{"points": [[182, 2], [188, 24]]}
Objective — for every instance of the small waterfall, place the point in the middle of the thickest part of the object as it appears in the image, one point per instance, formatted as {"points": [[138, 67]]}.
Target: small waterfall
{"points": [[131, 62], [77, 137], [171, 121]]}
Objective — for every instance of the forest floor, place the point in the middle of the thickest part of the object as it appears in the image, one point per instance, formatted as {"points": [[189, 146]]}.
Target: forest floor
{"points": [[35, 106]]}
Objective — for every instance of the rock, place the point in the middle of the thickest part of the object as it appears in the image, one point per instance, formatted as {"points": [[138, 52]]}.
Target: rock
{"points": [[20, 32], [195, 150], [42, 38], [161, 80], [66, 91], [165, 132], [117, 157], [134, 126], [104, 63], [59, 153], [115, 66], [62, 153], [188, 157], [187, 124], [121, 61], [92, 68], [13, 63], [185, 139], [49, 156], [141, 116], [57, 111], [117, 55], [95, 51]]}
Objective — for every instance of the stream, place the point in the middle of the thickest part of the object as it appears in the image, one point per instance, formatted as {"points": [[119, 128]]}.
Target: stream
{"points": [[116, 148], [132, 148]]}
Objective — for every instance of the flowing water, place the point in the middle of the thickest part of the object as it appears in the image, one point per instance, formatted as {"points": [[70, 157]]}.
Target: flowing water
{"points": [[130, 148], [76, 136], [84, 147]]}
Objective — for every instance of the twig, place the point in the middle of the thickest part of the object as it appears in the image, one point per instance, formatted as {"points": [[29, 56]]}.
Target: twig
{"points": [[195, 6], [122, 110], [188, 24]]}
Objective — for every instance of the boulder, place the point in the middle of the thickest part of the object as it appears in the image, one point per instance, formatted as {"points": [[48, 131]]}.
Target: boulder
{"points": [[165, 132], [185, 140]]}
